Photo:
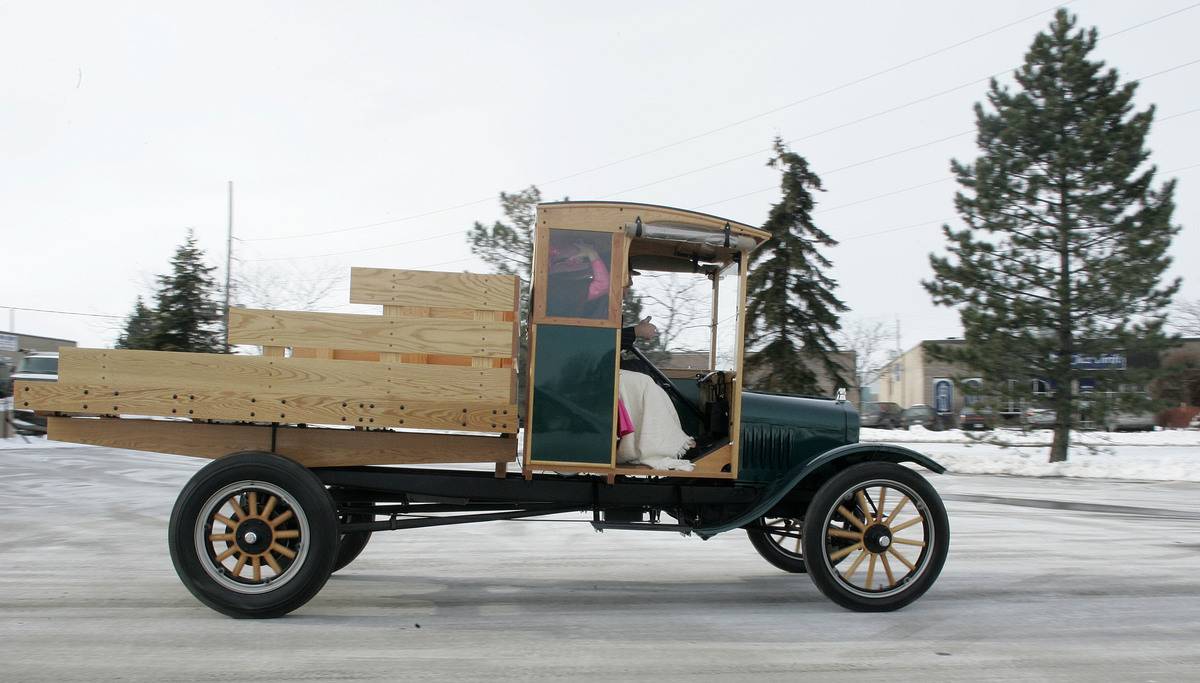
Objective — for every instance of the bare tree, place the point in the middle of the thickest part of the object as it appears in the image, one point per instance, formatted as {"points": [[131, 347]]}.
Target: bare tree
{"points": [[871, 343], [1185, 318], [677, 306], [290, 287]]}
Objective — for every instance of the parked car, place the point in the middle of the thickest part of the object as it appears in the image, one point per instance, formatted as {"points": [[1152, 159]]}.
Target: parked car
{"points": [[976, 418], [1129, 420], [882, 415], [35, 367], [920, 414], [1039, 418], [1194, 423]]}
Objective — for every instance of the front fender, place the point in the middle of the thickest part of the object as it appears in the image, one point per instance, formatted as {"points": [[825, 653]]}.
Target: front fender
{"points": [[842, 456]]}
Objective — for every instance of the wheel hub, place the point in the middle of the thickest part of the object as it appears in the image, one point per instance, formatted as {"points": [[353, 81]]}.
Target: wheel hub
{"points": [[254, 536], [877, 538]]}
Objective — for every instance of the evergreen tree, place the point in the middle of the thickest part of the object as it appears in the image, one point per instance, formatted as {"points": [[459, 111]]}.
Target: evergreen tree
{"points": [[792, 310], [1066, 238], [188, 315], [139, 329], [508, 247]]}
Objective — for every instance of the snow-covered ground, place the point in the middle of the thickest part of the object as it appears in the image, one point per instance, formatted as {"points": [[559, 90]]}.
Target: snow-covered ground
{"points": [[1047, 580], [1169, 455]]}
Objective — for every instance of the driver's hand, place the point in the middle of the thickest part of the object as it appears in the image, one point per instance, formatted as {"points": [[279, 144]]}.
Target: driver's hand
{"points": [[645, 329]]}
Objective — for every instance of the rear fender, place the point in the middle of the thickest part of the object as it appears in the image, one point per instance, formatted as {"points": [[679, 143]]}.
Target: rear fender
{"points": [[839, 458]]}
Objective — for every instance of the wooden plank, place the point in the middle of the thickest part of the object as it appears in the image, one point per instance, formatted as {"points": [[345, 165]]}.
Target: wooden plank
{"points": [[425, 288], [628, 470], [250, 374], [369, 333], [310, 447], [716, 460], [265, 406], [340, 354]]}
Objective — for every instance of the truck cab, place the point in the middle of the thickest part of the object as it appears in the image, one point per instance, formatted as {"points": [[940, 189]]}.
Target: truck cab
{"points": [[586, 254]]}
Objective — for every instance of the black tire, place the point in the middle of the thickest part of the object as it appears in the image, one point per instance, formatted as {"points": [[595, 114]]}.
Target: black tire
{"points": [[293, 535], [828, 542], [771, 547], [351, 544]]}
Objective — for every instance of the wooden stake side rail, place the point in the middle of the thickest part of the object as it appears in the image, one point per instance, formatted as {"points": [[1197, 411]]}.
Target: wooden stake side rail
{"points": [[309, 447], [269, 406], [488, 339], [254, 374], [432, 289]]}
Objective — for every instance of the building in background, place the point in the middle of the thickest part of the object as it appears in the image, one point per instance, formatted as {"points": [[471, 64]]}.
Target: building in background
{"points": [[915, 378], [843, 359]]}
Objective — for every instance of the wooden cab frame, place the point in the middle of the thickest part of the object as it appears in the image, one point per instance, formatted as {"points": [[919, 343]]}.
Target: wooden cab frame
{"points": [[575, 339]]}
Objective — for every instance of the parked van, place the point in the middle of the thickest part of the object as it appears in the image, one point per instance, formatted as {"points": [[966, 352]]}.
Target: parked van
{"points": [[41, 366]]}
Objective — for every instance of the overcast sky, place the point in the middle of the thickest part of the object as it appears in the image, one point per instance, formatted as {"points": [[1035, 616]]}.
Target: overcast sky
{"points": [[120, 124]]}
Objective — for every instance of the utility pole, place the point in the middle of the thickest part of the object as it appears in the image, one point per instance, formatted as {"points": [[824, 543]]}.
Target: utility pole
{"points": [[228, 264]]}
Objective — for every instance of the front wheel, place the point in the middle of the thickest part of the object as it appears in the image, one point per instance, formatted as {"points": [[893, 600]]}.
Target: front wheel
{"points": [[889, 526], [253, 535]]}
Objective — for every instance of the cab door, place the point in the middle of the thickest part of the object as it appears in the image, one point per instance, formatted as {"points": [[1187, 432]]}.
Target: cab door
{"points": [[575, 322]]}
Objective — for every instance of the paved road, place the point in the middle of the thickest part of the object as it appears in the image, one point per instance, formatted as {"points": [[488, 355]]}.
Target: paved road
{"points": [[1048, 579]]}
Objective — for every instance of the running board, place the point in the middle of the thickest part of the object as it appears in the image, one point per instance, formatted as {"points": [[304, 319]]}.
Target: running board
{"points": [[634, 526]]}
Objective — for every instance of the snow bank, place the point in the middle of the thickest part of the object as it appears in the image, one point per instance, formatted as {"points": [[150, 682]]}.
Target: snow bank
{"points": [[1171, 455], [1039, 437]]}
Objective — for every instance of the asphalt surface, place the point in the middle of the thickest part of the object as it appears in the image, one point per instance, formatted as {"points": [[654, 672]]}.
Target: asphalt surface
{"points": [[1048, 579]]}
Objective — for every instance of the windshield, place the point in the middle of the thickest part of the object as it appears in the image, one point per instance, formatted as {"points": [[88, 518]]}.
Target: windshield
{"points": [[39, 365]]}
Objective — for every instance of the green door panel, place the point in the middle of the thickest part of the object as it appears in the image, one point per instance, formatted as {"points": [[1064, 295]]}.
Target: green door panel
{"points": [[574, 376]]}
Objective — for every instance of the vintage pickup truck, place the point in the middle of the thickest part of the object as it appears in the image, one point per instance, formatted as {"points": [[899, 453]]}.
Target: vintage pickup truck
{"points": [[329, 434]]}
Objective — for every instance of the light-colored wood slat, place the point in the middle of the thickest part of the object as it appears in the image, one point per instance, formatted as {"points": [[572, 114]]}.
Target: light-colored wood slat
{"points": [[274, 351], [409, 312], [715, 461], [250, 374], [370, 333], [470, 416], [425, 288], [339, 354], [309, 447], [621, 470]]}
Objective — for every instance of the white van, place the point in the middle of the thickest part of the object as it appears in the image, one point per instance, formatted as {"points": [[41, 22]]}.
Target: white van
{"points": [[39, 366]]}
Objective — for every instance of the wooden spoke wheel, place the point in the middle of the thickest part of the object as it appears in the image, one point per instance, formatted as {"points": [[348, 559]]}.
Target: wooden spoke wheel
{"points": [[254, 535], [778, 540], [877, 535]]}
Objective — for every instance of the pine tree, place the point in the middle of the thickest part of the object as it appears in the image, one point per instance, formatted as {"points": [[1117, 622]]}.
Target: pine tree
{"points": [[508, 247], [792, 310], [1066, 239], [188, 315], [139, 329]]}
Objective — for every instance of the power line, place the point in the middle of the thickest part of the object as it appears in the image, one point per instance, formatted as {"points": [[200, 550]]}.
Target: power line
{"points": [[44, 310], [357, 251], [697, 136], [742, 156], [933, 142]]}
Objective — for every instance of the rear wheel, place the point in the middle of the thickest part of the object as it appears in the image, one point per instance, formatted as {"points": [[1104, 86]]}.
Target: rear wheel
{"points": [[253, 535], [352, 543], [888, 529], [778, 540]]}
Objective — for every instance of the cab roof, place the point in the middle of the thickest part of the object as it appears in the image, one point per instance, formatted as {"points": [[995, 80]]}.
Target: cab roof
{"points": [[671, 222]]}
